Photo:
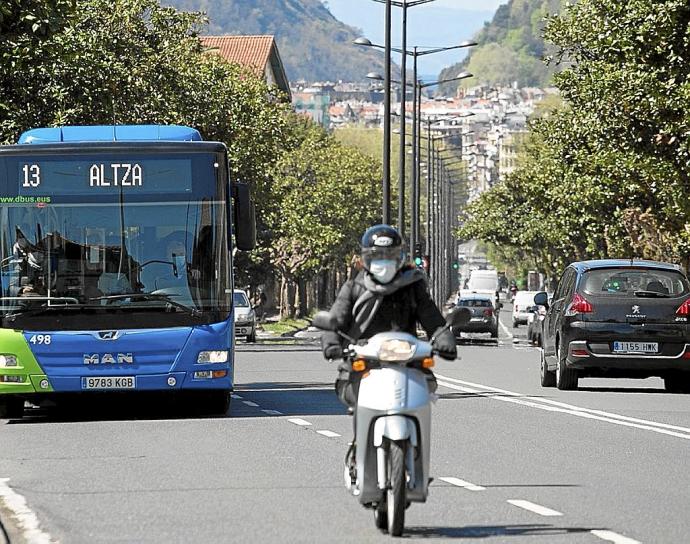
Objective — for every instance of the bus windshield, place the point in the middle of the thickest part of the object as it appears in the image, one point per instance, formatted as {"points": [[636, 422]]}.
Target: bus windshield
{"points": [[92, 249]]}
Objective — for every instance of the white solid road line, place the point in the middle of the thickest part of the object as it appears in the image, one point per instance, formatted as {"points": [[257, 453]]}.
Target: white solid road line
{"points": [[250, 403], [26, 519], [614, 537], [272, 412], [555, 406], [536, 508], [329, 434], [300, 422], [505, 329], [462, 483]]}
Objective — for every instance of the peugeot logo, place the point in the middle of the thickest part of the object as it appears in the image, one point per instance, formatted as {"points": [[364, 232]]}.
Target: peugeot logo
{"points": [[636, 309], [108, 335]]}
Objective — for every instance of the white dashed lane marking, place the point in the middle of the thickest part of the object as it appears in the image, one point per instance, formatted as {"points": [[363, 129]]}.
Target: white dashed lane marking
{"points": [[272, 412], [300, 422], [329, 434], [462, 483], [250, 403], [236, 397], [536, 508], [610, 536]]}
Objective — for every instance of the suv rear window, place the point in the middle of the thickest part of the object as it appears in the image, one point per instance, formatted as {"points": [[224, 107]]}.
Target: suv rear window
{"points": [[628, 281], [475, 303]]}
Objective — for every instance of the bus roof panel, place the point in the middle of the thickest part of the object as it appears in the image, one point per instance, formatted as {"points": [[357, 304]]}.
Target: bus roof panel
{"points": [[110, 133]]}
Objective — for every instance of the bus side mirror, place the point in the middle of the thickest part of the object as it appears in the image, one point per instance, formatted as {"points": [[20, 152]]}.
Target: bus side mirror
{"points": [[245, 218]]}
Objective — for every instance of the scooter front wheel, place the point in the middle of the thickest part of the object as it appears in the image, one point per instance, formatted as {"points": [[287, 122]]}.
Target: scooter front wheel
{"points": [[395, 497]]}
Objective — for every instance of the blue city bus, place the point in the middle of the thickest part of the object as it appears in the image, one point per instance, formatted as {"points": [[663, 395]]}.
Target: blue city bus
{"points": [[116, 247]]}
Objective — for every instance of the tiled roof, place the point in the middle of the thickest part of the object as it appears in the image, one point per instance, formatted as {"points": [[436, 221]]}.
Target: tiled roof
{"points": [[250, 51], [254, 52]]}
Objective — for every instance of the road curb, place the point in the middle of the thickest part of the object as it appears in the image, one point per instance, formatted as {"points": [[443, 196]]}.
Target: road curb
{"points": [[9, 534]]}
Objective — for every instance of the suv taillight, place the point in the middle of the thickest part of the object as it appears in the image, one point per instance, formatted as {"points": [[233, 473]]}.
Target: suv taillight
{"points": [[488, 312], [684, 309], [579, 305]]}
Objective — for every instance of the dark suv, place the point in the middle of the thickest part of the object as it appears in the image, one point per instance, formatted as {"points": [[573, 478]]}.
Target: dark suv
{"points": [[484, 317], [617, 318]]}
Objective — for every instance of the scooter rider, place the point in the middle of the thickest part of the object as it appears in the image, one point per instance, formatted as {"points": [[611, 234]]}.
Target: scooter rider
{"points": [[387, 295]]}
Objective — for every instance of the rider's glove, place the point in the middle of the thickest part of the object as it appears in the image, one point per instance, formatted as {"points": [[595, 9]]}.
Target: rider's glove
{"points": [[330, 344], [444, 344]]}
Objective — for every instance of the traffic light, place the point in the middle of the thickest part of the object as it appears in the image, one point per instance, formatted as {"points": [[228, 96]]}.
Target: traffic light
{"points": [[418, 261], [455, 265]]}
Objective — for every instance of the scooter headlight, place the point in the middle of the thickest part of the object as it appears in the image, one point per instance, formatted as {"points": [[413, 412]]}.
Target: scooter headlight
{"points": [[396, 350]]}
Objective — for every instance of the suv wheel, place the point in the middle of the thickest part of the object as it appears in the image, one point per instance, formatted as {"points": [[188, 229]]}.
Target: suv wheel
{"points": [[548, 377], [566, 378], [677, 383]]}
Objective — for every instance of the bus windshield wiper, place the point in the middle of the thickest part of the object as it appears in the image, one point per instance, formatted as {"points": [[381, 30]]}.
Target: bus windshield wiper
{"points": [[163, 297], [651, 294], [27, 305]]}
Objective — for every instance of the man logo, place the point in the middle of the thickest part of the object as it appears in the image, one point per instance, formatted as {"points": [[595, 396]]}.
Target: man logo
{"points": [[108, 359], [108, 335]]}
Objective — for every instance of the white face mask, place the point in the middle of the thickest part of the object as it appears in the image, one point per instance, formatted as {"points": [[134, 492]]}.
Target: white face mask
{"points": [[383, 270]]}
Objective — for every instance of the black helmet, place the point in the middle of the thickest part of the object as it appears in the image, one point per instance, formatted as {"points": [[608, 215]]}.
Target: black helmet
{"points": [[382, 243]]}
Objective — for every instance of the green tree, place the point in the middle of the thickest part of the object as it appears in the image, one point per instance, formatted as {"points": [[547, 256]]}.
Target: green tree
{"points": [[606, 173], [326, 195]]}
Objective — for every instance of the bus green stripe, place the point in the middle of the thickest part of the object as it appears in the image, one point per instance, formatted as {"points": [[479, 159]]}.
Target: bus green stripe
{"points": [[12, 342]]}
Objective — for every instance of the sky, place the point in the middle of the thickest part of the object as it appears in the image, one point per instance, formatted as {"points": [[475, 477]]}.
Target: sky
{"points": [[437, 24]]}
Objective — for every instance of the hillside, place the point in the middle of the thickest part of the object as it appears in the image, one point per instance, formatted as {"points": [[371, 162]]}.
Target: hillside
{"points": [[510, 48], [313, 44]]}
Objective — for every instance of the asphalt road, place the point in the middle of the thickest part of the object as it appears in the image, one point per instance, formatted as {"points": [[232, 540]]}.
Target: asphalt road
{"points": [[608, 463]]}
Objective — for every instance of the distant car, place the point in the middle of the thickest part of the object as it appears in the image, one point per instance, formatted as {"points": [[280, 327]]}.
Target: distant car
{"points": [[618, 318], [521, 302], [484, 315], [534, 324], [245, 317]]}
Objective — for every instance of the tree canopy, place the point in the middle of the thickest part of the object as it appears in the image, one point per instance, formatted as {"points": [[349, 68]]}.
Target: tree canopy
{"points": [[605, 173]]}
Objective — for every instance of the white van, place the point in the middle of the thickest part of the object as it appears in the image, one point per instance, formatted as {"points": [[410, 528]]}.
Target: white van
{"points": [[484, 282], [522, 301]]}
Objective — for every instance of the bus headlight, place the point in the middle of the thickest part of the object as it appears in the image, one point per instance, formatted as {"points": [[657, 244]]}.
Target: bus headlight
{"points": [[212, 357], [7, 361]]}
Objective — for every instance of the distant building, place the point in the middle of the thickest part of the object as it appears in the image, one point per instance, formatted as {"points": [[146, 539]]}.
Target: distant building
{"points": [[259, 53]]}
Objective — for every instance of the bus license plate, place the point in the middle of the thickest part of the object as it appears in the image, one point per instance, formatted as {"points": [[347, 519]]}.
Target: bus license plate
{"points": [[109, 383], [636, 347]]}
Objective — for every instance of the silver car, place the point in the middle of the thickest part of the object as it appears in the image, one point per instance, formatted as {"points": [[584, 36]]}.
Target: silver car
{"points": [[245, 317]]}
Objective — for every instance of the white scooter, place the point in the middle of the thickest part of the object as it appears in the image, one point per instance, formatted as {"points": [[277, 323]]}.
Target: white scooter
{"points": [[392, 421]]}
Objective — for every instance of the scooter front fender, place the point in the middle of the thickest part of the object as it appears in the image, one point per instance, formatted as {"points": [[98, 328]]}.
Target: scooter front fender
{"points": [[394, 428]]}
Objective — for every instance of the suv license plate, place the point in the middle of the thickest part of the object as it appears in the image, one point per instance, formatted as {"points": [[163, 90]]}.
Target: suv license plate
{"points": [[635, 347], [109, 383]]}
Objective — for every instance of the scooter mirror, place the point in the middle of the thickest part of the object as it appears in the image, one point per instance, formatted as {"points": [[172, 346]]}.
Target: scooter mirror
{"points": [[324, 321], [459, 316]]}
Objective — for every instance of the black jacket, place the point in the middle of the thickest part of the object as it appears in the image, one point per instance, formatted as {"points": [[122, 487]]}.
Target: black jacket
{"points": [[399, 311]]}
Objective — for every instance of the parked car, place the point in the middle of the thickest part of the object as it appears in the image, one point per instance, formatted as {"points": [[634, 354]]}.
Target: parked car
{"points": [[617, 318], [521, 302], [534, 324], [245, 317], [484, 314]]}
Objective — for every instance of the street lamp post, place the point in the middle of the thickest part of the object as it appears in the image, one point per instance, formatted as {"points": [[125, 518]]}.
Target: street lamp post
{"points": [[387, 118], [416, 110], [404, 4]]}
